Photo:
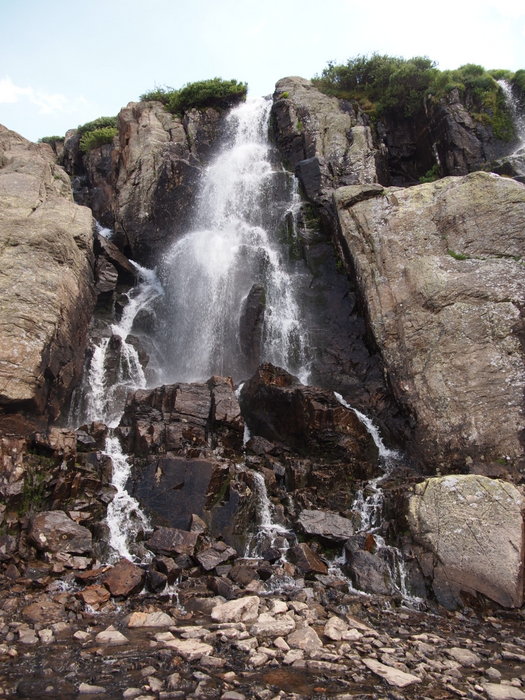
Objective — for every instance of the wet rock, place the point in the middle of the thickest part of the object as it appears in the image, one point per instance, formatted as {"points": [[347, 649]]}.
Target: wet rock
{"points": [[156, 581], [370, 573], [213, 556], [53, 531], [88, 689], [268, 625], [111, 636], [495, 691], [124, 579], [307, 419], [308, 562], [329, 525], [251, 326], [465, 657], [474, 528], [169, 540], [305, 638], [94, 595], [190, 649], [393, 676]]}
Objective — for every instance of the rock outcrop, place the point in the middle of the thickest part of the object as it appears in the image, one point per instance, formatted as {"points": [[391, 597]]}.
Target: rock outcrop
{"points": [[46, 286], [473, 527], [439, 267], [326, 142], [143, 186]]}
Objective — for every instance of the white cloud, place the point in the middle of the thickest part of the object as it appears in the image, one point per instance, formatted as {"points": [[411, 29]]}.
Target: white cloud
{"points": [[47, 103]]}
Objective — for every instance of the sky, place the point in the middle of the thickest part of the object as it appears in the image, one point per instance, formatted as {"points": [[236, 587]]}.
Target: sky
{"points": [[63, 64]]}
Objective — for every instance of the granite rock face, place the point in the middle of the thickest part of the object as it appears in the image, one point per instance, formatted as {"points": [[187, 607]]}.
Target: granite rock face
{"points": [[474, 528], [439, 266], [327, 145], [46, 284]]}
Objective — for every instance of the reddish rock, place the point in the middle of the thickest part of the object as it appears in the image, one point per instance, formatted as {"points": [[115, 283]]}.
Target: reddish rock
{"points": [[44, 610], [124, 579], [54, 531], [308, 419], [94, 595], [306, 560]]}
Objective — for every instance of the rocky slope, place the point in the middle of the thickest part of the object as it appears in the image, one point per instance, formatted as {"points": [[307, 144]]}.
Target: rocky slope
{"points": [[47, 281]]}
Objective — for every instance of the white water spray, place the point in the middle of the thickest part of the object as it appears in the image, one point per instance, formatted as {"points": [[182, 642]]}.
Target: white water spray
{"points": [[517, 157], [124, 517], [269, 532], [209, 272]]}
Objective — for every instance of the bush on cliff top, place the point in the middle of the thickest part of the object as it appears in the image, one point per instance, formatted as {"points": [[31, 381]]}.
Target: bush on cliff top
{"points": [[100, 123], [97, 137], [392, 85], [217, 93]]}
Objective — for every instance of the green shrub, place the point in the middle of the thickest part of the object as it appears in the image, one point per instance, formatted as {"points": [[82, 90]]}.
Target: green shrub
{"points": [[431, 175], [158, 94], [392, 85], [98, 137], [458, 256], [99, 123], [50, 139], [218, 93]]}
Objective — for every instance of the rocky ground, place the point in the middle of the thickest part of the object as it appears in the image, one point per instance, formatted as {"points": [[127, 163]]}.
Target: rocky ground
{"points": [[314, 638]]}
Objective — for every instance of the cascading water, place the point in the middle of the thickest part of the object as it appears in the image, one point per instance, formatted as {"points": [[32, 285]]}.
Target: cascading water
{"points": [[368, 508], [114, 369], [210, 272], [269, 533], [517, 157]]}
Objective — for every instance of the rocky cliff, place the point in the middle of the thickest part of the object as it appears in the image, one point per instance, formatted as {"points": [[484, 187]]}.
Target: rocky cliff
{"points": [[440, 267], [47, 281], [143, 185]]}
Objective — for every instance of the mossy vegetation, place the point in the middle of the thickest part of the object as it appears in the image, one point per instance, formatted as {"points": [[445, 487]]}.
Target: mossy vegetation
{"points": [[388, 85], [431, 175], [216, 92], [457, 256]]}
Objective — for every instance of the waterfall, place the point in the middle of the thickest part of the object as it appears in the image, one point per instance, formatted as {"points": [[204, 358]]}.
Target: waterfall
{"points": [[517, 157], [368, 508], [210, 273], [124, 518], [269, 533], [115, 367]]}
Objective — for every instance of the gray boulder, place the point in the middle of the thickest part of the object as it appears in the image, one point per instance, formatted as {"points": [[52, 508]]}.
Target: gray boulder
{"points": [[326, 524], [439, 267], [473, 526]]}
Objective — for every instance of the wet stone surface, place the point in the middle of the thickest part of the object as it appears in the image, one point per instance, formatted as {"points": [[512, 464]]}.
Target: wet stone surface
{"points": [[313, 640]]}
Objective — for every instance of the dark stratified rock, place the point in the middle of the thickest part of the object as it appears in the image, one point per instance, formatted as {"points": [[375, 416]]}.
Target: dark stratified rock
{"points": [[53, 531], [217, 554], [304, 418], [124, 579], [182, 417], [369, 572], [170, 540], [251, 326], [306, 560]]}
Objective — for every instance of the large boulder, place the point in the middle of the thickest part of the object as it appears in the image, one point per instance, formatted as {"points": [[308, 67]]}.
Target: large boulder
{"points": [[53, 531], [473, 526], [306, 419], [327, 144], [46, 283], [439, 267]]}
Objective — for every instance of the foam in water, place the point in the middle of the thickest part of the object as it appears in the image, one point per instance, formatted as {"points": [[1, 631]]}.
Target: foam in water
{"points": [[209, 272], [124, 517], [269, 532]]}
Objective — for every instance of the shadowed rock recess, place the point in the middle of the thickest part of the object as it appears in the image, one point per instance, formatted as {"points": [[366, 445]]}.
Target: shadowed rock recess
{"points": [[352, 531]]}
